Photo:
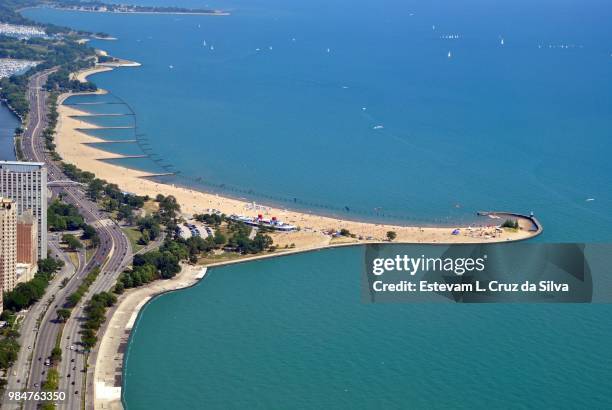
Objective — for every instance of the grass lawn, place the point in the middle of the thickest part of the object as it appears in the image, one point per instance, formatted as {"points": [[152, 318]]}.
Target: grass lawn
{"points": [[74, 258], [150, 207], [134, 236]]}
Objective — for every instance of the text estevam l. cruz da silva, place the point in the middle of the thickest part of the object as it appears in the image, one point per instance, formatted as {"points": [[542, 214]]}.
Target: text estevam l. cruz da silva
{"points": [[407, 265]]}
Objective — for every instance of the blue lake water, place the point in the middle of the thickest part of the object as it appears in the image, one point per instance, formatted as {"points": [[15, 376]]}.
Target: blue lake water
{"points": [[8, 123], [521, 126]]}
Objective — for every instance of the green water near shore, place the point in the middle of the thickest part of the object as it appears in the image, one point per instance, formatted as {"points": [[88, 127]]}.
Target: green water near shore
{"points": [[292, 333]]}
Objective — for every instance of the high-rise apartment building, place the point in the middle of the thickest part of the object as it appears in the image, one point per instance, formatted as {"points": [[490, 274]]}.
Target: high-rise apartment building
{"points": [[26, 184], [8, 244], [27, 246]]}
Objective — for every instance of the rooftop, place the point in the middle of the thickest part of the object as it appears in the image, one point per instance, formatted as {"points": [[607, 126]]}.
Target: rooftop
{"points": [[20, 166]]}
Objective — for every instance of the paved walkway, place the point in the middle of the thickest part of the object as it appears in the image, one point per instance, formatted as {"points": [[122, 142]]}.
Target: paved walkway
{"points": [[109, 360]]}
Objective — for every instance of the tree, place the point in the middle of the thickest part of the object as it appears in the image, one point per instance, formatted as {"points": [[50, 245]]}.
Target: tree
{"points": [[9, 349], [88, 232], [391, 235], [49, 266], [72, 242], [61, 217], [510, 223], [63, 314], [56, 354], [95, 189], [150, 225], [220, 239]]}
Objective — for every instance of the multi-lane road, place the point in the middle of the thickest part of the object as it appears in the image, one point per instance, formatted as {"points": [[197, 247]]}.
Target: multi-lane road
{"points": [[18, 375], [112, 256]]}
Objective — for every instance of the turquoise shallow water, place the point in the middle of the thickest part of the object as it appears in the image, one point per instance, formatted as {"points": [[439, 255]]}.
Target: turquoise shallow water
{"points": [[293, 333], [523, 126]]}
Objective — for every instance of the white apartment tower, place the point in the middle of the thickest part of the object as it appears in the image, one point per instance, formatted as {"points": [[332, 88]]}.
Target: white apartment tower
{"points": [[26, 184]]}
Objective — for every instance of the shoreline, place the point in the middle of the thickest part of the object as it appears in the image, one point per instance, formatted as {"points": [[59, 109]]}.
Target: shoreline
{"points": [[72, 146], [188, 13], [117, 330]]}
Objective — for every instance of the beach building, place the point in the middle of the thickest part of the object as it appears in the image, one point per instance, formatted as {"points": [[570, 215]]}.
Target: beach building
{"points": [[272, 223], [26, 184], [27, 246], [8, 244]]}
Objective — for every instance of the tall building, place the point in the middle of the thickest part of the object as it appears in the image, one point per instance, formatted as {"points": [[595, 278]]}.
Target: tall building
{"points": [[26, 184], [27, 246], [8, 244]]}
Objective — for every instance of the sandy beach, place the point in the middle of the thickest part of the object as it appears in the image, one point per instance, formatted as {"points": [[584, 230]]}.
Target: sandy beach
{"points": [[72, 147]]}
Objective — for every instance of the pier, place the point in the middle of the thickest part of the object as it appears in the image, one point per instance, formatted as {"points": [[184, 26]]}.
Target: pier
{"points": [[123, 157], [527, 222], [162, 174], [79, 116], [94, 103], [111, 142], [105, 128]]}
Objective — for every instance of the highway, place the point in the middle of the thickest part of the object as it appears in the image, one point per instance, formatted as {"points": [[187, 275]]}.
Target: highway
{"points": [[29, 326], [113, 255]]}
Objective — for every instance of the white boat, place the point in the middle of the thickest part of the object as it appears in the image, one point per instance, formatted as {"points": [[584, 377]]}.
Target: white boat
{"points": [[502, 41], [449, 54], [212, 48], [378, 127]]}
